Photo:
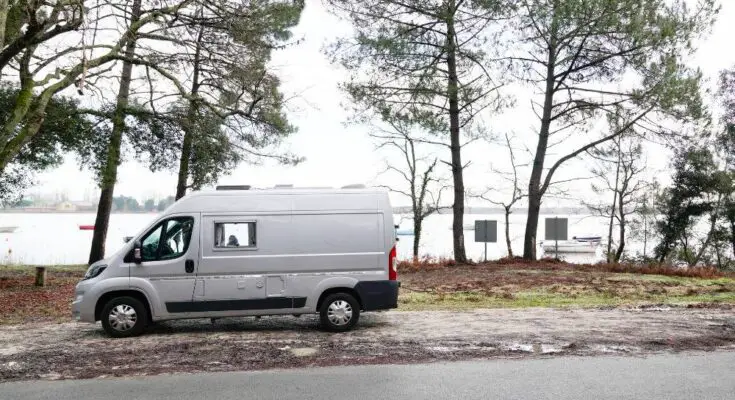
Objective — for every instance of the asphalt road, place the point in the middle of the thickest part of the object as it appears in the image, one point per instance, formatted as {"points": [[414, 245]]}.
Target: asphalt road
{"points": [[680, 376]]}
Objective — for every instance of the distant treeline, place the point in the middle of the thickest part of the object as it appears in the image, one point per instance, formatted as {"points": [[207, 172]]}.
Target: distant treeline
{"points": [[130, 204], [119, 204]]}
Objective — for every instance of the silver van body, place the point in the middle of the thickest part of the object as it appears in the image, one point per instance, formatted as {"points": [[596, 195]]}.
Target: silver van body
{"points": [[231, 253]]}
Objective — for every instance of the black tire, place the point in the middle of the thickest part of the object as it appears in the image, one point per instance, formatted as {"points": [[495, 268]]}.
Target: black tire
{"points": [[141, 317], [331, 322]]}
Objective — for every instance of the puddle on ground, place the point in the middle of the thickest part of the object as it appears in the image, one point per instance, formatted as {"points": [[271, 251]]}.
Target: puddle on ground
{"points": [[615, 349], [304, 351], [9, 351], [526, 348]]}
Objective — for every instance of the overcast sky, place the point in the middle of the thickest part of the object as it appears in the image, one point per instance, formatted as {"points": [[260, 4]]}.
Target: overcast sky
{"points": [[338, 155]]}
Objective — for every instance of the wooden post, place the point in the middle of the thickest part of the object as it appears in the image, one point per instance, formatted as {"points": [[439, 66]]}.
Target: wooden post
{"points": [[40, 276]]}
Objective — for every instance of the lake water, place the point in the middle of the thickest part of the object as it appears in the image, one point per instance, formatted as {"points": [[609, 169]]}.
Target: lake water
{"points": [[47, 238]]}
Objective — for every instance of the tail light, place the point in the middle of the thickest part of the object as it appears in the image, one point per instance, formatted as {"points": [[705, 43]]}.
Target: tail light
{"points": [[392, 267]]}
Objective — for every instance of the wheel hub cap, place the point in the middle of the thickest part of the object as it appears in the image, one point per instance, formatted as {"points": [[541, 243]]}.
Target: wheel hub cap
{"points": [[339, 312], [122, 317]]}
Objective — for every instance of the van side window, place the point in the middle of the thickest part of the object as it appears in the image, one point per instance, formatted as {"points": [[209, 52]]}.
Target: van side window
{"points": [[168, 240], [234, 235]]}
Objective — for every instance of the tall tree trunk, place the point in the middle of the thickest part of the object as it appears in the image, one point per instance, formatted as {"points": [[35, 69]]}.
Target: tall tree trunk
{"points": [[183, 176], [621, 245], [507, 232], [109, 172], [24, 108], [3, 20], [609, 255], [34, 119], [190, 123], [417, 225], [645, 233], [712, 225], [534, 184], [460, 255], [731, 221]]}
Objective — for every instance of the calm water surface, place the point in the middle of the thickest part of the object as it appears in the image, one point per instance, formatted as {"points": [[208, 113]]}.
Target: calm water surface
{"points": [[48, 238]]}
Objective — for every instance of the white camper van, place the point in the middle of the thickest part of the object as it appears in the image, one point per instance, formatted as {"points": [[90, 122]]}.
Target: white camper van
{"points": [[241, 252]]}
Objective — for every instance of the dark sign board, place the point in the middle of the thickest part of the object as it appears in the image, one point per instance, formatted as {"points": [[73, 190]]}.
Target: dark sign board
{"points": [[556, 228], [486, 231]]}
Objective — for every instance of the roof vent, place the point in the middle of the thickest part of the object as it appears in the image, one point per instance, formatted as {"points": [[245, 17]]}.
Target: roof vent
{"points": [[355, 186], [233, 187]]}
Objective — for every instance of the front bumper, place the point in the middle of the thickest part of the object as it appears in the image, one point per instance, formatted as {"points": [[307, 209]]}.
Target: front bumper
{"points": [[82, 308], [378, 295]]}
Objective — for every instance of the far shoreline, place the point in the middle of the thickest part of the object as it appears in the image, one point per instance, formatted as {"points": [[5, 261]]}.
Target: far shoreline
{"points": [[400, 210], [51, 211]]}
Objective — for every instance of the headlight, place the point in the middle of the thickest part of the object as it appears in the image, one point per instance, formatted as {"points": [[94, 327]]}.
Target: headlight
{"points": [[94, 271]]}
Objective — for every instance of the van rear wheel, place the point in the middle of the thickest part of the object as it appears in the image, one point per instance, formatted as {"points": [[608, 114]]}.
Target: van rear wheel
{"points": [[124, 317], [339, 312]]}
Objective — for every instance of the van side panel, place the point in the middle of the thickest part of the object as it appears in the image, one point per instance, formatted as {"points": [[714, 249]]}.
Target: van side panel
{"points": [[232, 274], [305, 244], [337, 242]]}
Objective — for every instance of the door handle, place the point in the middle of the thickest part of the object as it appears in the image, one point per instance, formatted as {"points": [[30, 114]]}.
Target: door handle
{"points": [[189, 266]]}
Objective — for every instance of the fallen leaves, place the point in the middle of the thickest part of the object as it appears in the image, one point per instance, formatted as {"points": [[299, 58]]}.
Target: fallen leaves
{"points": [[21, 301]]}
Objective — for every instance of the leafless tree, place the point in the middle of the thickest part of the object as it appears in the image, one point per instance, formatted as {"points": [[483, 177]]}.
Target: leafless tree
{"points": [[643, 223], [420, 181], [618, 174], [516, 191]]}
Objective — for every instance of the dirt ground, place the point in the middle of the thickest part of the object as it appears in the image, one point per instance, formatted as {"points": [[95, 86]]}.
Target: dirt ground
{"points": [[72, 350], [438, 287], [602, 315]]}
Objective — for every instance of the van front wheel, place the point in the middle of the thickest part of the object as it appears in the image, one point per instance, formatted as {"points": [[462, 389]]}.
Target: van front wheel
{"points": [[339, 312], [124, 317]]}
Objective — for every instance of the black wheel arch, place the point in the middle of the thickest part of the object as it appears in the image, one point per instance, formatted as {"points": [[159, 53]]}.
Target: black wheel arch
{"points": [[351, 291], [136, 294]]}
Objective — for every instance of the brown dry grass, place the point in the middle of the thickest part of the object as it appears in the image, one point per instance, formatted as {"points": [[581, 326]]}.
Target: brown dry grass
{"points": [[21, 301], [550, 264], [430, 283]]}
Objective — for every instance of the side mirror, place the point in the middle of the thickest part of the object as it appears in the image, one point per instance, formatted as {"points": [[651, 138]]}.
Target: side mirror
{"points": [[137, 255], [127, 239]]}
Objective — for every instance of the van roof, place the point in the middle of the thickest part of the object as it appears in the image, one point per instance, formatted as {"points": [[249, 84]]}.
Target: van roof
{"points": [[282, 199], [285, 191]]}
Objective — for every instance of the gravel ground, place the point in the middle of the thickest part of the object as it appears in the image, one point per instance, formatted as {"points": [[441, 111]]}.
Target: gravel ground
{"points": [[72, 350]]}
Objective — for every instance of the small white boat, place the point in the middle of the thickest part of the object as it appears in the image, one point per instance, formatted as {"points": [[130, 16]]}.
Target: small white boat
{"points": [[8, 229], [404, 232], [597, 239], [570, 246], [466, 227]]}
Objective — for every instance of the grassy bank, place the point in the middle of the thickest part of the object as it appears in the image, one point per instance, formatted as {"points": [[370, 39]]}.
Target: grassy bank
{"points": [[511, 283], [413, 301], [441, 286]]}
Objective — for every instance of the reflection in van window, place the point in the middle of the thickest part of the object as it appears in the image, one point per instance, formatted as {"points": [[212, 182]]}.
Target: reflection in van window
{"points": [[234, 234], [177, 237], [150, 244]]}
